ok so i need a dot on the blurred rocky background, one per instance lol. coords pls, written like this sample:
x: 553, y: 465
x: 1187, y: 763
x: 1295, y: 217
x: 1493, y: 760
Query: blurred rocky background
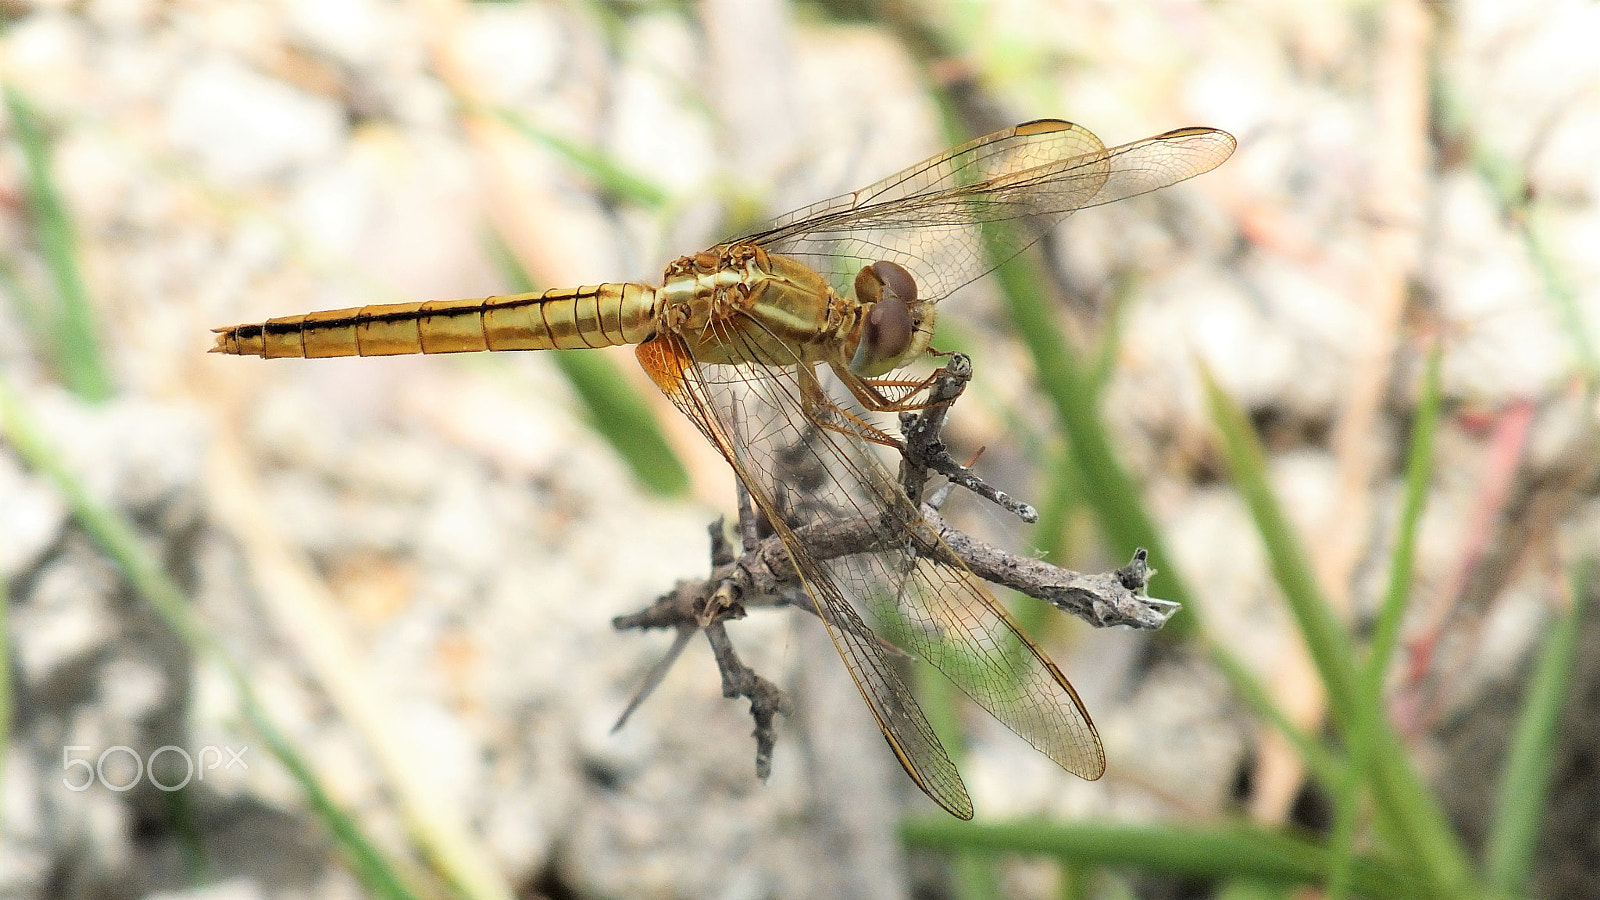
x: 367, y: 602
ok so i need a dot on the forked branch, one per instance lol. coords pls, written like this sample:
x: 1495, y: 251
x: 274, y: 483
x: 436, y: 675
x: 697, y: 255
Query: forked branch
x: 763, y: 574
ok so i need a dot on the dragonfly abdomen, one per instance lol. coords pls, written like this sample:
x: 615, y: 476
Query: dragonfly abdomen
x: 601, y: 315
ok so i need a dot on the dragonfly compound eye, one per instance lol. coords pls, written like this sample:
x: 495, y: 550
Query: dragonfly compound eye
x: 884, y: 278
x: 869, y: 287
x: 886, y: 334
x: 888, y: 328
x: 896, y: 280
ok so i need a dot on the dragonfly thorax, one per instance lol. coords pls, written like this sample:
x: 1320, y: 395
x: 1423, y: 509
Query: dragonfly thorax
x: 739, y: 304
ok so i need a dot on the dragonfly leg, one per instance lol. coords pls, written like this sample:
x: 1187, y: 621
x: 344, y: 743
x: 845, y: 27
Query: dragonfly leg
x: 824, y: 413
x: 886, y: 395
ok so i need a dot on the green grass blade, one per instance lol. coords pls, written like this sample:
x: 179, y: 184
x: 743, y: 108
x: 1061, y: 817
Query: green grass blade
x: 1076, y: 883
x: 1324, y: 765
x: 609, y: 175
x: 117, y: 538
x: 1413, y: 815
x: 1540, y: 237
x: 1419, y: 473
x: 972, y: 875
x: 110, y: 532
x: 1255, y: 890
x: 179, y: 808
x: 1326, y: 639
x: 30, y: 311
x: 374, y: 871
x: 1106, y: 486
x: 1063, y: 496
x: 1242, y: 853
x: 1522, y: 209
x: 71, y: 341
x: 1525, y: 783
x: 5, y: 681
x: 621, y: 416
x: 612, y: 406
x: 1386, y: 633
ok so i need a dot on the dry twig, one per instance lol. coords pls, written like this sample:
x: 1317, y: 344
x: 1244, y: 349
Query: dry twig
x: 763, y: 575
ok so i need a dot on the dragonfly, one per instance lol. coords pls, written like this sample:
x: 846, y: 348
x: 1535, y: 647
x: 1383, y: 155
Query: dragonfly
x: 781, y: 345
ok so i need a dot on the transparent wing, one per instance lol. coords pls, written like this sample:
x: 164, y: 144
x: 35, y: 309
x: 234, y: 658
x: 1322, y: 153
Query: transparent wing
x: 872, y: 565
x: 939, y: 218
x: 824, y: 492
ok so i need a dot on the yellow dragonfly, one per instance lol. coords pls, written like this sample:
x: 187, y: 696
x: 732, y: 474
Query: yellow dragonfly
x: 779, y: 346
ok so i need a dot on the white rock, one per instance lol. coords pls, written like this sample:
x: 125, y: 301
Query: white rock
x: 242, y: 127
x: 232, y: 889
x: 34, y: 516
x: 66, y: 617
x: 353, y: 31
x: 133, y: 687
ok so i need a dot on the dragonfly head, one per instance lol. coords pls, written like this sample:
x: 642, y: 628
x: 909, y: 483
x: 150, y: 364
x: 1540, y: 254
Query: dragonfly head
x: 895, y: 327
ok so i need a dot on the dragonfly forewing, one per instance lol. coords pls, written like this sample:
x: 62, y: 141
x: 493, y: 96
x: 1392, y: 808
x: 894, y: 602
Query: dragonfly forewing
x: 938, y: 218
